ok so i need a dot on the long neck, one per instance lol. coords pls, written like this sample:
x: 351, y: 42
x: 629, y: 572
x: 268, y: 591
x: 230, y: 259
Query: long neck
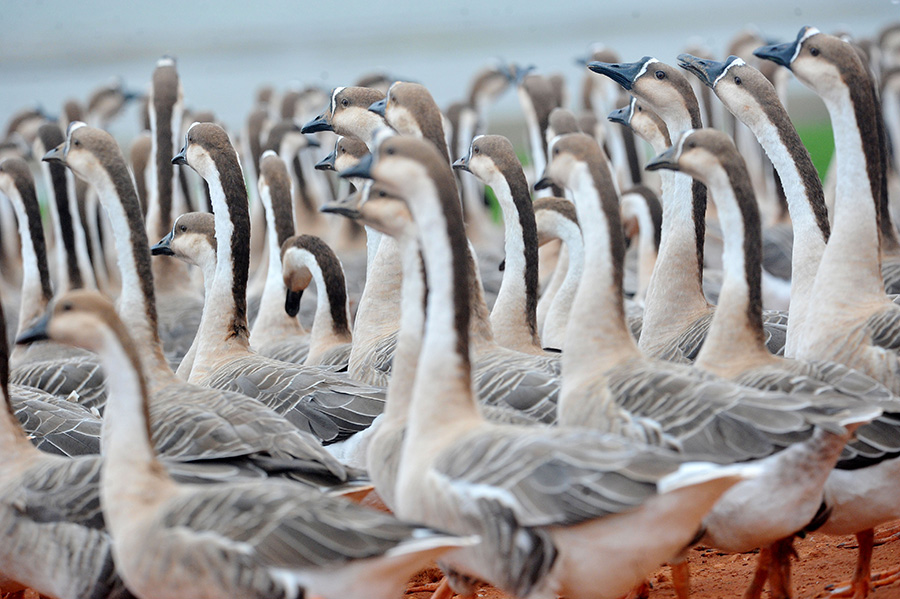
x: 736, y: 336
x: 223, y: 326
x: 66, y: 254
x: 806, y: 204
x: 852, y: 259
x: 377, y: 313
x: 675, y: 294
x: 208, y: 270
x: 169, y: 274
x: 137, y: 302
x: 513, y: 317
x: 561, y: 306
x: 409, y: 340
x: 36, y: 291
x: 596, y: 344
x: 331, y: 325
x: 82, y: 250
x: 443, y: 386
x: 271, y: 320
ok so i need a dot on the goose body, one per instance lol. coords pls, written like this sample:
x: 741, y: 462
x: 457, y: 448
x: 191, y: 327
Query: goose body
x: 172, y: 538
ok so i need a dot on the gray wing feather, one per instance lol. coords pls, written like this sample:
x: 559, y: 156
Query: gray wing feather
x: 81, y: 376
x: 55, y: 425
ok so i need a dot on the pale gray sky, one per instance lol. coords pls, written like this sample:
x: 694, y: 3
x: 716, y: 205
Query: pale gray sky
x: 50, y: 51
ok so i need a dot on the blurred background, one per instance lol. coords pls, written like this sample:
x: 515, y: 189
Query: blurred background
x: 52, y: 51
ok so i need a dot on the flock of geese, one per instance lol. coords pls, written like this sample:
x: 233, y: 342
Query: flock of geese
x: 195, y: 439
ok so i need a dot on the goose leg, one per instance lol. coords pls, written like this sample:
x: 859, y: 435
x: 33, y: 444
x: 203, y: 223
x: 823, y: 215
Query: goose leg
x: 780, y: 570
x: 641, y: 591
x: 861, y: 584
x: 681, y: 579
x: 760, y: 575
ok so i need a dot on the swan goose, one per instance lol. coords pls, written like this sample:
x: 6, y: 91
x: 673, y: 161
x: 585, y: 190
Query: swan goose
x: 859, y: 334
x: 476, y: 476
x: 224, y: 359
x: 47, y: 366
x: 187, y: 421
x: 712, y: 157
x: 256, y: 539
x: 348, y: 114
x: 676, y: 313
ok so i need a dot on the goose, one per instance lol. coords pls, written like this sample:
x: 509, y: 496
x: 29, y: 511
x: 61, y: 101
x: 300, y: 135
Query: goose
x: 274, y: 333
x: 178, y: 305
x: 712, y: 157
x: 676, y: 313
x: 187, y: 421
x: 492, y: 159
x: 249, y: 539
x: 70, y: 273
x: 224, y: 359
x: 55, y: 540
x: 349, y: 114
x: 556, y: 218
x: 859, y: 334
x: 141, y: 148
x: 307, y: 258
x: 476, y: 476
x: 537, y: 98
x: 47, y: 366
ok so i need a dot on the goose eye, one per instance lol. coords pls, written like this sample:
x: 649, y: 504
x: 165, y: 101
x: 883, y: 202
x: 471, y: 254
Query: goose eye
x: 691, y: 144
x: 66, y: 307
x: 556, y: 151
x: 660, y: 74
x: 814, y: 51
x: 475, y: 149
x: 640, y: 108
x: 76, y: 142
x: 737, y: 80
x: 183, y: 228
x: 345, y: 102
x: 389, y: 151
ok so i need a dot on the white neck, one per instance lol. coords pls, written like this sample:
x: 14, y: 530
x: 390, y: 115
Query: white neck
x: 322, y: 337
x: 509, y: 321
x: 852, y: 258
x: 81, y: 243
x: 594, y: 344
x: 558, y: 314
x: 208, y: 271
x: 32, y: 303
x: 674, y: 296
x: 63, y: 284
x: 132, y: 304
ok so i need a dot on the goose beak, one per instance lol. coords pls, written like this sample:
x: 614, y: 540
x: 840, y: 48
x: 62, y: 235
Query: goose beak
x: 667, y: 160
x: 327, y: 163
x: 545, y: 182
x: 521, y: 73
x: 379, y: 107
x: 56, y: 155
x: 362, y: 169
x: 582, y: 60
x: 462, y: 164
x: 346, y: 207
x: 621, y: 115
x: 320, y: 123
x: 181, y: 157
x: 163, y: 247
x: 312, y: 142
x: 292, y: 302
x: 623, y: 73
x: 36, y: 332
x: 708, y: 71
x: 778, y: 53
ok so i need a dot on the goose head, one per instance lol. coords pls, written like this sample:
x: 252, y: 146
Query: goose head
x: 698, y: 153
x: 645, y: 123
x: 568, y: 154
x: 86, y: 151
x: 489, y: 158
x: 821, y: 62
x: 348, y: 113
x: 407, y: 108
x: 192, y: 239
x: 204, y: 143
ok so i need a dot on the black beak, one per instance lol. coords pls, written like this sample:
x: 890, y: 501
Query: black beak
x: 163, y: 247
x: 379, y: 107
x: 544, y: 183
x: 522, y: 72
x: 56, y: 155
x: 621, y: 115
x: 667, y: 160
x: 362, y: 169
x: 462, y: 164
x: 320, y: 123
x: 327, y: 163
x: 181, y: 157
x: 623, y: 73
x: 36, y: 332
x: 312, y: 142
x: 292, y: 302
x: 342, y: 209
x: 778, y: 53
x: 131, y: 95
x: 708, y: 71
x: 502, y: 266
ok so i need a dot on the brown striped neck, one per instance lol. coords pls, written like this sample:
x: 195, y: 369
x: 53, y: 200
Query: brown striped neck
x: 141, y: 149
x: 492, y: 159
x: 165, y: 121
x: 17, y: 183
x: 50, y: 136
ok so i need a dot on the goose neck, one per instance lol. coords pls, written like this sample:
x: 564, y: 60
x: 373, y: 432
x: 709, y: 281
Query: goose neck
x: 36, y: 291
